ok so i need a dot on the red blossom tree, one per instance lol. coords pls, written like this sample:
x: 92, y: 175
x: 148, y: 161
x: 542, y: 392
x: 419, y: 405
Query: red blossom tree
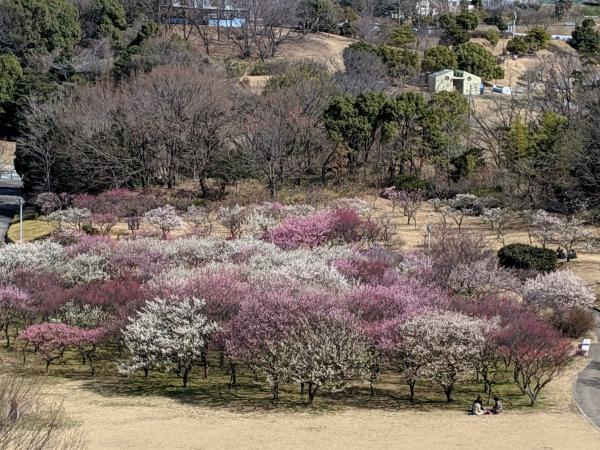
x: 538, y: 352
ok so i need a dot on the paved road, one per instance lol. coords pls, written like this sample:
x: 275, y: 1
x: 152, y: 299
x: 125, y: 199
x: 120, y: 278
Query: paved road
x: 586, y: 391
x: 10, y: 193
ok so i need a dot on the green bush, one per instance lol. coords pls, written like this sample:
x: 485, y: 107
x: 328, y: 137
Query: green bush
x: 260, y: 68
x: 522, y: 256
x: 410, y: 183
x: 236, y: 68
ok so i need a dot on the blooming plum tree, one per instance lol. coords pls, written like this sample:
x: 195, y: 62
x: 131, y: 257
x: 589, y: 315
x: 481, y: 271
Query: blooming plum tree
x: 168, y: 334
x: 233, y: 218
x: 329, y: 348
x: 537, y: 351
x: 449, y: 342
x: 409, y: 201
x: 482, y: 278
x: 164, y: 218
x: 558, y: 293
x: 14, y: 304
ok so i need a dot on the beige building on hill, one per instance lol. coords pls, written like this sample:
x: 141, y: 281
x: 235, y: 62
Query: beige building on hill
x: 455, y: 80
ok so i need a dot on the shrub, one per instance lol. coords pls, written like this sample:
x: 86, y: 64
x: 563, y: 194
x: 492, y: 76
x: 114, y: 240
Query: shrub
x: 492, y: 36
x: 236, y: 68
x: 522, y: 256
x: 409, y: 183
x: 577, y: 322
x: 260, y: 68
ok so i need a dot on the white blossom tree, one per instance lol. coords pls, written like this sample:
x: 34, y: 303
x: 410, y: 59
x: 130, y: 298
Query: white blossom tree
x: 480, y: 278
x: 571, y: 235
x: 446, y: 345
x: 558, y: 292
x: 499, y: 219
x: 75, y: 217
x: 326, y: 350
x: 199, y: 218
x: 164, y: 218
x: 232, y: 218
x: 544, y: 227
x: 168, y: 334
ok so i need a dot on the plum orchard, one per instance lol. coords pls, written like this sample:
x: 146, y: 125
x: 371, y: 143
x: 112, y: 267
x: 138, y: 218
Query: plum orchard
x: 296, y: 295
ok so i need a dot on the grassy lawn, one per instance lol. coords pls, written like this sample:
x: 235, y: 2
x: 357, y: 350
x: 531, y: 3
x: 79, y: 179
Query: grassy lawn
x: 390, y: 393
x: 32, y: 230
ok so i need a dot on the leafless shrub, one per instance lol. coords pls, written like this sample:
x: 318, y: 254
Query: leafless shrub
x: 30, y: 422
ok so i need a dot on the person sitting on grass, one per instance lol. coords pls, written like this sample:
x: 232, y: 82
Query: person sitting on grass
x: 477, y: 408
x: 497, y: 409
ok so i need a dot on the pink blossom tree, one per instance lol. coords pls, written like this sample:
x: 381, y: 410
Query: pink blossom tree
x: 255, y: 332
x: 105, y: 222
x: 14, y: 304
x: 48, y: 202
x: 311, y: 231
x: 342, y: 225
x: 49, y: 340
x: 408, y: 201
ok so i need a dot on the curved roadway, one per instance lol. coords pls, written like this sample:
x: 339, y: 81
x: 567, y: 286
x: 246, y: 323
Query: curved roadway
x: 586, y: 390
x: 10, y: 194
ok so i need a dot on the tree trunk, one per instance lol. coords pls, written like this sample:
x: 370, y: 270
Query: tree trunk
x: 205, y: 364
x: 186, y: 375
x: 275, y: 390
x: 7, y: 336
x: 411, y: 387
x: 233, y: 377
x: 92, y: 367
x: 301, y: 388
x: 145, y: 372
x: 312, y: 391
x: 448, y: 391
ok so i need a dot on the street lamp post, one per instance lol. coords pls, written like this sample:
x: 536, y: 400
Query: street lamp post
x: 21, y: 203
x: 429, y: 229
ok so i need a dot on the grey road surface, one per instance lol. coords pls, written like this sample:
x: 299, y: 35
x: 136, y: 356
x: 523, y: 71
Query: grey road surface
x: 10, y: 194
x: 586, y: 391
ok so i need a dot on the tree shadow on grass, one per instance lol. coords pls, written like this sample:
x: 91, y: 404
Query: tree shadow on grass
x: 248, y: 396
x: 390, y: 392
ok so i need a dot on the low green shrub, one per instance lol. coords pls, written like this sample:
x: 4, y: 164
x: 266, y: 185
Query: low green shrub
x: 410, y: 183
x: 522, y: 256
x: 259, y: 69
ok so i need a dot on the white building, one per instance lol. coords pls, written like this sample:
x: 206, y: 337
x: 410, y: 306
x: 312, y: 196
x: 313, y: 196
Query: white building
x: 455, y: 80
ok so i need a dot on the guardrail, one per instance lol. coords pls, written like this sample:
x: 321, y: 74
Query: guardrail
x: 9, y: 175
